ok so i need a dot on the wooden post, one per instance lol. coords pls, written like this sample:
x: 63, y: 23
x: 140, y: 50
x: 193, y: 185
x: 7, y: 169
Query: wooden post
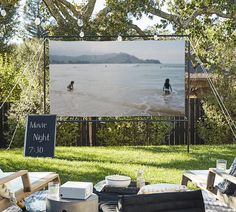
x: 90, y: 131
x: 184, y: 180
x: 94, y: 130
x: 210, y: 182
x: 78, y: 137
x: 26, y: 182
x: 83, y: 134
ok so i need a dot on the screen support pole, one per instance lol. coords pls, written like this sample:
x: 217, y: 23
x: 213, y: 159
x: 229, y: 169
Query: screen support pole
x: 44, y: 77
x: 188, y: 99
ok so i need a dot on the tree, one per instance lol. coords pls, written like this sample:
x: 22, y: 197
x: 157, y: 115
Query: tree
x: 181, y: 14
x: 35, y: 9
x: 217, y: 50
x: 8, y: 79
x: 29, y: 80
x: 8, y: 28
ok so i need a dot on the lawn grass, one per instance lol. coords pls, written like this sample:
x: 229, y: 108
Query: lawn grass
x: 162, y: 164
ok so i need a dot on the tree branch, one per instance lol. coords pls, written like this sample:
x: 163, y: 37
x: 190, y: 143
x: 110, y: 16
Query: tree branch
x: 184, y: 23
x: 164, y: 15
x: 60, y: 8
x: 63, y: 9
x: 89, y: 9
x: 104, y: 11
x: 202, y: 11
x: 53, y: 10
x: 137, y: 29
x: 219, y: 13
x: 71, y: 7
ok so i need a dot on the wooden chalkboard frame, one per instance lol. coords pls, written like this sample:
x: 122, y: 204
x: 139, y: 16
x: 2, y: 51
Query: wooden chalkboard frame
x: 36, y: 150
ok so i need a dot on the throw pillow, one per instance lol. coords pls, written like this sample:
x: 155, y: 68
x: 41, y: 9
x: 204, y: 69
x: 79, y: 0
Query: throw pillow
x: 227, y: 187
x: 160, y: 188
x: 233, y: 166
x: 4, y: 191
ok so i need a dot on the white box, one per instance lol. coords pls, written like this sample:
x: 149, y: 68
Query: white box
x: 76, y: 190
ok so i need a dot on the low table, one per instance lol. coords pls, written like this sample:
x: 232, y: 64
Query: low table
x: 72, y: 205
x: 109, y: 196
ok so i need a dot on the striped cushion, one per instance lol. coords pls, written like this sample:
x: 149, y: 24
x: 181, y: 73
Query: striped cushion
x: 214, y: 205
x: 13, y: 208
x: 226, y: 187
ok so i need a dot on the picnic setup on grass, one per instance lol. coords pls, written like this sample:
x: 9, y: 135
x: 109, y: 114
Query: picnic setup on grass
x: 117, y: 106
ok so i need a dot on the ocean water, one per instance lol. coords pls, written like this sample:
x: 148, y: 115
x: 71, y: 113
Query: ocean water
x: 104, y: 90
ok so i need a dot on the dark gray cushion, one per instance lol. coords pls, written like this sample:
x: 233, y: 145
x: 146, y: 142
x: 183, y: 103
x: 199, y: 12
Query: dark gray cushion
x: 168, y: 202
x: 227, y: 187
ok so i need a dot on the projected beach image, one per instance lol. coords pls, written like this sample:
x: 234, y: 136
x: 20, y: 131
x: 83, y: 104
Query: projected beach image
x: 115, y: 79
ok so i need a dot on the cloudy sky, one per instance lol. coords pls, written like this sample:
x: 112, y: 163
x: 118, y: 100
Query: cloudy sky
x: 172, y: 51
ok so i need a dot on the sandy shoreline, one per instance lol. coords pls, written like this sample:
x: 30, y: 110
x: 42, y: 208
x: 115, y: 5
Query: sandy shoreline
x: 95, y: 108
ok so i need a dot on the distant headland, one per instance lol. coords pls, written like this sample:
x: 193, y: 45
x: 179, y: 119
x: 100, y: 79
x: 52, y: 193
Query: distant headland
x: 113, y: 58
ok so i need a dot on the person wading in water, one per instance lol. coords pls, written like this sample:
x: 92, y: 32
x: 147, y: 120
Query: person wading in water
x: 70, y: 87
x: 167, y: 87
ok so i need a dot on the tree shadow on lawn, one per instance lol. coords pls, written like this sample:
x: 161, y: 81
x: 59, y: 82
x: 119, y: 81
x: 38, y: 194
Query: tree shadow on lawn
x: 161, y: 149
x: 93, y: 173
x: 111, y: 156
x: 196, y: 160
x: 76, y: 171
x: 174, y: 164
x: 181, y: 165
x: 194, y: 149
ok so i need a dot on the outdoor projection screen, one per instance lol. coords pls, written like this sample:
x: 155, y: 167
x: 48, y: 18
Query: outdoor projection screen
x: 115, y: 79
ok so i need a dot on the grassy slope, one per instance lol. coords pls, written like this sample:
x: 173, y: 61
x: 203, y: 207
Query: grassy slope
x: 162, y: 164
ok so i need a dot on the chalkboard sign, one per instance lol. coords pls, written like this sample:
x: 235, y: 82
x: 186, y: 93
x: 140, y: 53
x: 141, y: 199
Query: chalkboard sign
x: 40, y: 136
